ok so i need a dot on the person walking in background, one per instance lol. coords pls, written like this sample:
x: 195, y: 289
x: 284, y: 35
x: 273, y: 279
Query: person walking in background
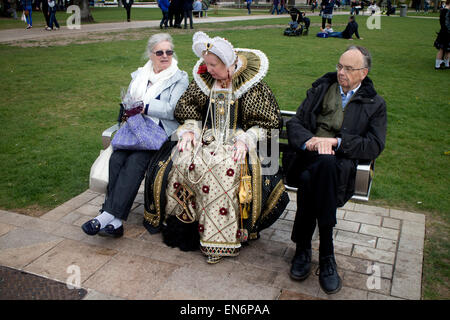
x: 249, y: 3
x: 275, y: 7
x: 283, y: 7
x: 388, y: 8
x: 164, y: 6
x: 187, y: 12
x: 127, y: 5
x: 52, y: 10
x: 46, y: 13
x: 313, y: 5
x: 27, y: 6
x: 12, y: 8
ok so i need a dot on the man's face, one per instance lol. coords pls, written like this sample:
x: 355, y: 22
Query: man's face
x: 350, y: 79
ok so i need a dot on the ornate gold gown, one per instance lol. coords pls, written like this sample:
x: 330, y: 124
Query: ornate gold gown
x: 193, y: 195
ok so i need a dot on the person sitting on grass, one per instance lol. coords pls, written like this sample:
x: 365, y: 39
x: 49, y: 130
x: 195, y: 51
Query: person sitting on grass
x: 328, y: 29
x: 52, y: 12
x: 352, y: 28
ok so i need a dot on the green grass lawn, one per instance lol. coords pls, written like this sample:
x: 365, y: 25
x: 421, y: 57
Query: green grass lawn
x: 57, y: 100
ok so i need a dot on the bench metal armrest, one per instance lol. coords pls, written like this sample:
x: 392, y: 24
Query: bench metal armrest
x: 107, y: 135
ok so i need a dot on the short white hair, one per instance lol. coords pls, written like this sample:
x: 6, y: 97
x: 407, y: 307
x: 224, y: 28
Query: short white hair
x: 157, y: 38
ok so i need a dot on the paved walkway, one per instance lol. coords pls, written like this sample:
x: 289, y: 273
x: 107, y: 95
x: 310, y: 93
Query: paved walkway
x: 39, y: 33
x: 379, y: 252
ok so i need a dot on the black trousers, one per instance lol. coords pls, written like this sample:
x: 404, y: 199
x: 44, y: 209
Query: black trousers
x: 126, y: 172
x: 165, y: 19
x: 128, y: 8
x: 316, y: 201
x: 188, y: 15
x: 325, y: 20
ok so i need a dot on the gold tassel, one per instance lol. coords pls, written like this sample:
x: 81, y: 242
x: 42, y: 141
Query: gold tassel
x: 245, y: 211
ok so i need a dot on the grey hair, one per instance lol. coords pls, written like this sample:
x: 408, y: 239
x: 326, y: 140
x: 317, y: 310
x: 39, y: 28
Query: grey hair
x: 157, y: 38
x: 367, y: 57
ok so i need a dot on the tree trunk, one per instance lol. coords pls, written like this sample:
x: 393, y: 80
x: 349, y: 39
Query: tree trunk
x: 86, y: 15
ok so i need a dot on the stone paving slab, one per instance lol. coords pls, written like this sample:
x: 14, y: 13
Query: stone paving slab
x: 379, y: 252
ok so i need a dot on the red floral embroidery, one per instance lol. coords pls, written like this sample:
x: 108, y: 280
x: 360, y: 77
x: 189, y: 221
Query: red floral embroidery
x: 230, y: 172
x: 238, y: 234
x: 176, y: 185
x: 205, y: 189
x: 191, y: 167
x: 223, y: 211
x: 202, y: 69
x: 201, y: 228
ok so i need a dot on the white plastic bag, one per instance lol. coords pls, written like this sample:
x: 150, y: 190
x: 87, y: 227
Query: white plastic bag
x: 24, y: 18
x: 99, y: 176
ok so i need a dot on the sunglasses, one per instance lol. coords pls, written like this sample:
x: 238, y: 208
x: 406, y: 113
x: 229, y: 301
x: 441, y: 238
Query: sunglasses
x: 159, y: 53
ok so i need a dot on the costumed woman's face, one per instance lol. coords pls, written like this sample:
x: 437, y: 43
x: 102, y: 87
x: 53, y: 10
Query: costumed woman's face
x: 215, y: 66
x: 161, y: 62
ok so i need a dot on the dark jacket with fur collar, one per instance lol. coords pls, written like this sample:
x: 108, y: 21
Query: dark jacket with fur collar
x: 363, y: 130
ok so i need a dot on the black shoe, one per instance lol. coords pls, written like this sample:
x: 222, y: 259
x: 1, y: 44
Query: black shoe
x: 301, y: 265
x: 91, y: 227
x: 329, y: 279
x: 109, y: 231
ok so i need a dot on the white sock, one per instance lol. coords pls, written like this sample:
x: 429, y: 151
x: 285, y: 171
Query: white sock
x: 438, y: 63
x: 104, y: 218
x: 446, y: 61
x: 116, y: 223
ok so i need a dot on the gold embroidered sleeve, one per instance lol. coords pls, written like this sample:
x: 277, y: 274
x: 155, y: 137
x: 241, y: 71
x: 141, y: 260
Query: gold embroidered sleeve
x: 260, y: 108
x: 191, y: 104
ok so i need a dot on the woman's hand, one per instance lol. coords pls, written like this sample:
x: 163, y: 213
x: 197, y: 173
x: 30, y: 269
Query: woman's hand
x: 187, y: 139
x: 239, y: 151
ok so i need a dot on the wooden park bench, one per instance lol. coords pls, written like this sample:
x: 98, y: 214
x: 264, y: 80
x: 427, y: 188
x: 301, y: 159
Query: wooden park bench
x: 364, y: 173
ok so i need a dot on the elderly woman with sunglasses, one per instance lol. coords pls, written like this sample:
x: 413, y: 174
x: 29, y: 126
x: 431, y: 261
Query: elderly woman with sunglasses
x: 226, y: 114
x: 159, y: 84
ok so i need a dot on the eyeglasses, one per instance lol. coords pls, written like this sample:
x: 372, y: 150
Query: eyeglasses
x: 159, y: 53
x: 347, y: 68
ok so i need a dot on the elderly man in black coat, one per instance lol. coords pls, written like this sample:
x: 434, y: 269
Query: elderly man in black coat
x: 341, y: 121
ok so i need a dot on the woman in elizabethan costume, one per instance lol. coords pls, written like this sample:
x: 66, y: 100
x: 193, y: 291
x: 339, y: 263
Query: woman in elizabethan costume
x: 226, y: 114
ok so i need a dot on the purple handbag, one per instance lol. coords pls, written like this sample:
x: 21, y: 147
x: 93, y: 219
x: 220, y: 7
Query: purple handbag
x: 139, y: 133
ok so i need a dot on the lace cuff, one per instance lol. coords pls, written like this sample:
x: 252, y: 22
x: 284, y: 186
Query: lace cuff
x: 250, y: 137
x: 193, y: 126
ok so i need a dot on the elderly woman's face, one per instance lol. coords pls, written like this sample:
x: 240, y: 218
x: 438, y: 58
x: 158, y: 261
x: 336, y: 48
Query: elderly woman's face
x: 161, y: 56
x: 215, y: 66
